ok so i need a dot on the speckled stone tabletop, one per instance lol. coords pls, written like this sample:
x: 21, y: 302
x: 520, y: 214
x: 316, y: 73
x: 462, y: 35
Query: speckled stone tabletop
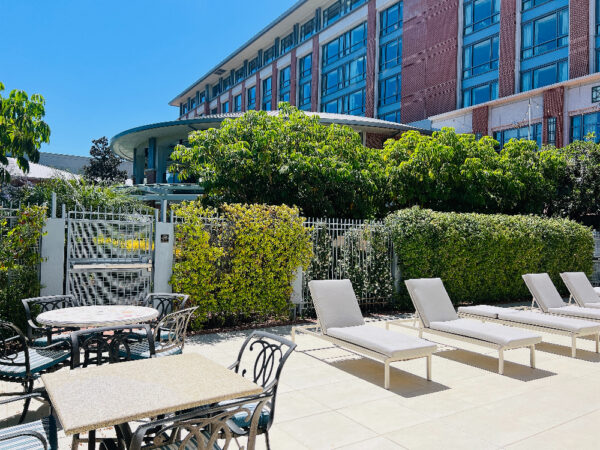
x: 97, y: 316
x: 102, y: 396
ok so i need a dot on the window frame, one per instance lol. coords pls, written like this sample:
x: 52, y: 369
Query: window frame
x: 489, y: 63
x: 472, y: 25
x: 557, y: 39
x: 533, y: 69
x: 386, y: 28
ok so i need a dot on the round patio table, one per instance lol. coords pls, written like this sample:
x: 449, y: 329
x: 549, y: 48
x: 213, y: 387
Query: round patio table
x: 97, y: 316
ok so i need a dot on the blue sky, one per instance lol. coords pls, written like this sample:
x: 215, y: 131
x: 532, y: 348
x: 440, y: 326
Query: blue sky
x: 106, y: 66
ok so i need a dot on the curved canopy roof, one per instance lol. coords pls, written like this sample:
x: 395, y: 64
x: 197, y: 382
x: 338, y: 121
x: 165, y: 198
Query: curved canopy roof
x: 124, y: 143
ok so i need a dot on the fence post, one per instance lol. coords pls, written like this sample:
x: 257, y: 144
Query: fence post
x: 52, y: 268
x: 163, y: 256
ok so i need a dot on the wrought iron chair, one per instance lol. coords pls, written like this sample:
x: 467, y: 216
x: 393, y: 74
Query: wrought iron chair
x: 39, y: 434
x: 22, y: 364
x: 261, y: 359
x: 165, y: 304
x: 40, y: 335
x: 96, y: 346
x: 169, y: 336
x: 209, y: 428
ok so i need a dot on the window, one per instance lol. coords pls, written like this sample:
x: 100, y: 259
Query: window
x: 214, y: 111
x: 389, y: 90
x: 184, y: 108
x: 285, y: 77
x: 355, y: 3
x: 251, y: 98
x: 345, y: 44
x: 480, y: 94
x: 237, y: 103
x: 480, y: 14
x: 480, y: 57
x: 307, y: 29
x: 226, y: 84
x: 305, y: 91
x: 239, y: 75
x: 528, y: 4
x: 193, y: 103
x: 332, y: 13
x: 583, y: 126
x: 225, y: 107
x: 393, y: 116
x: 543, y: 76
x: 390, y: 54
x: 391, y: 19
x: 551, y: 130
x: 268, y: 55
x: 253, y: 66
x: 216, y: 90
x: 545, y: 34
x: 266, y: 94
x: 202, y: 97
x: 353, y: 104
x: 287, y: 43
x: 533, y: 133
x: 306, y: 66
x: 344, y: 75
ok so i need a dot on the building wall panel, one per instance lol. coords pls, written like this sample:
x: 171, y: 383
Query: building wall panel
x: 579, y: 38
x: 506, y: 62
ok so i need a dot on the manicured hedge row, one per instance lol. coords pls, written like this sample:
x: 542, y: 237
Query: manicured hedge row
x: 481, y: 257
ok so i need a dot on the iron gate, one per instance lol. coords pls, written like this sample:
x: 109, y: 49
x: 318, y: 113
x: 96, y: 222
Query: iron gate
x: 109, y: 257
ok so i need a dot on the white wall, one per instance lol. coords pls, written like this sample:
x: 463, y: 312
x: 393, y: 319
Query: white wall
x: 462, y: 123
x: 513, y: 114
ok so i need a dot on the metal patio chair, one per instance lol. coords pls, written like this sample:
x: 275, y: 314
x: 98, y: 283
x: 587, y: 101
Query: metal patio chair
x: 261, y: 359
x: 41, y: 335
x: 37, y: 435
x: 165, y: 303
x: 22, y: 364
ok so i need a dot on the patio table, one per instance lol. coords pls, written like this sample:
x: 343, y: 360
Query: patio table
x: 97, y: 316
x: 104, y: 396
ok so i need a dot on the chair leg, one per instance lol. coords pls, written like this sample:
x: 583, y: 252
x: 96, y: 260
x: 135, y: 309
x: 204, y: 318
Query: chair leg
x: 428, y: 367
x: 386, y: 383
x: 28, y: 390
x: 267, y: 440
x: 598, y: 343
x: 532, y: 356
x: 501, y: 361
x: 293, y: 334
x: 573, y: 346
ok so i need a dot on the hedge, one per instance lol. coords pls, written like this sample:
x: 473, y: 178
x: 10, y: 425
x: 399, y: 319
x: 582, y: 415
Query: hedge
x: 481, y: 257
x: 238, y: 266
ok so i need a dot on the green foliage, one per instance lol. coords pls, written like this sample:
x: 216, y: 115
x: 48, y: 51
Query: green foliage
x: 239, y: 266
x: 290, y: 158
x: 480, y: 257
x: 75, y: 194
x: 22, y: 129
x: 104, y: 164
x: 19, y: 260
x: 457, y: 172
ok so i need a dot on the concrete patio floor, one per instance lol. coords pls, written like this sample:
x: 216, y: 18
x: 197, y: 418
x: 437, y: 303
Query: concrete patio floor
x: 332, y: 398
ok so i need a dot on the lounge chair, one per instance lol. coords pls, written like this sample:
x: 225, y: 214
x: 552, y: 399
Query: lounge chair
x: 581, y: 289
x: 536, y: 321
x: 549, y: 300
x: 438, y: 316
x: 341, y: 323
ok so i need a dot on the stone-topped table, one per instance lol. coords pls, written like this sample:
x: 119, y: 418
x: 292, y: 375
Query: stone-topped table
x: 91, y: 398
x: 97, y: 316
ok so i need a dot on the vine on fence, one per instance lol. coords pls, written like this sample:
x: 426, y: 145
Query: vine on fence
x: 19, y: 260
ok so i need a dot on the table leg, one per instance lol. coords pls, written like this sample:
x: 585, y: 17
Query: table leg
x: 92, y: 440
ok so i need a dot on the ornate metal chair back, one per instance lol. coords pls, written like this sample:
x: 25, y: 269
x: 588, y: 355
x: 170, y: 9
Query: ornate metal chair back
x: 12, y: 344
x: 37, y: 305
x: 166, y: 303
x: 172, y: 329
x: 107, y: 345
x: 202, y: 428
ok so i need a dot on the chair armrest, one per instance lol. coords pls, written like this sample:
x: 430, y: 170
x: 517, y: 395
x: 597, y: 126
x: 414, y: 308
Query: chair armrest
x: 62, y: 345
x: 235, y: 366
x: 20, y: 434
x: 21, y: 397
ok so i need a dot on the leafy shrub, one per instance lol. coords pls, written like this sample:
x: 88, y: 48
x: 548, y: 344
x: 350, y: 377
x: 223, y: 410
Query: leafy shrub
x: 238, y: 266
x: 480, y: 257
x: 19, y: 261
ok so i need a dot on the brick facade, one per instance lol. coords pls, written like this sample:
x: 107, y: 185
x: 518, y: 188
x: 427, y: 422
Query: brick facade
x: 506, y: 63
x: 429, y: 58
x: 230, y: 101
x: 274, y: 86
x: 554, y: 101
x: 293, y: 77
x: 579, y: 38
x: 373, y: 140
x: 258, y: 92
x: 371, y: 56
x: 219, y: 104
x: 480, y: 120
x: 314, y: 84
x: 206, y: 107
x: 243, y: 96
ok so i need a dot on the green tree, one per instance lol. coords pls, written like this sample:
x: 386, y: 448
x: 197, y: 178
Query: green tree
x: 289, y: 158
x: 22, y: 129
x: 104, y: 164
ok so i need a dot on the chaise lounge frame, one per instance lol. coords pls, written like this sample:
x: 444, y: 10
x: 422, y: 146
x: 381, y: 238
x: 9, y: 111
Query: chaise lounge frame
x: 316, y: 331
x: 500, y: 348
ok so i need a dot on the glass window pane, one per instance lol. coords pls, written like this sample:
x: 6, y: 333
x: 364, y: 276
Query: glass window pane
x: 544, y: 76
x: 527, y: 35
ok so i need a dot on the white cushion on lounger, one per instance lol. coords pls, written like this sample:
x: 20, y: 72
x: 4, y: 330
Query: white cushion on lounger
x: 431, y: 300
x: 387, y: 342
x: 597, y: 290
x: 543, y: 290
x: 485, y: 310
x: 489, y: 332
x: 577, y: 311
x: 335, y: 303
x: 550, y: 321
x: 580, y: 288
